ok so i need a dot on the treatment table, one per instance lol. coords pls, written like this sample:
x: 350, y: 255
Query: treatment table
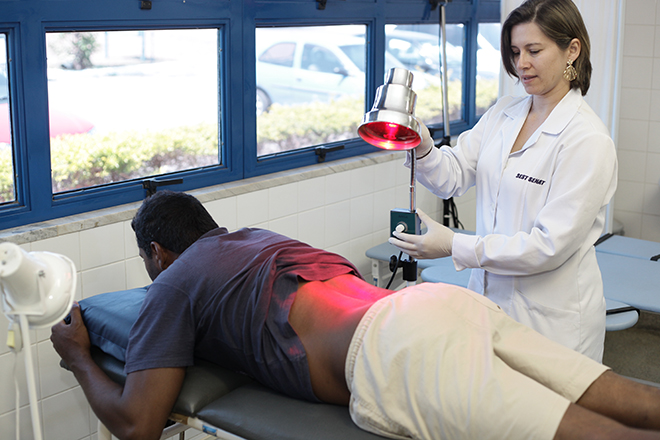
x: 214, y: 400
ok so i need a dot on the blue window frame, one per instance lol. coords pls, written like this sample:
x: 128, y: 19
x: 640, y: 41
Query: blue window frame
x: 25, y: 25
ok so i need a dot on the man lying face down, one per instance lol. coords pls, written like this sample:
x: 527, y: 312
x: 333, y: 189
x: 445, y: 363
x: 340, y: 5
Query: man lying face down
x: 431, y: 361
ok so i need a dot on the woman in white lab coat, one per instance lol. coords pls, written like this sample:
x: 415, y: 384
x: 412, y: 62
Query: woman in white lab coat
x: 545, y: 168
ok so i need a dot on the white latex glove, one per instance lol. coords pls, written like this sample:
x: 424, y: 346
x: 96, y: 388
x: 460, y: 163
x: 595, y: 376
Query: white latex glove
x: 435, y: 243
x: 426, y: 144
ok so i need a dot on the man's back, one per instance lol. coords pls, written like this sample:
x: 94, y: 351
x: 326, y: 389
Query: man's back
x: 226, y: 299
x: 325, y: 315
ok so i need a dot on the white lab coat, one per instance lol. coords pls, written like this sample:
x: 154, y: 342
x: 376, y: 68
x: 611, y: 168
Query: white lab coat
x: 539, y: 212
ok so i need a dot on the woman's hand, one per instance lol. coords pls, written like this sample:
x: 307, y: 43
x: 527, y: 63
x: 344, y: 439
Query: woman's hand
x: 426, y: 144
x: 435, y: 243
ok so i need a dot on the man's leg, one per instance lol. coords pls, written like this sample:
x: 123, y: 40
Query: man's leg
x: 624, y: 400
x: 580, y: 423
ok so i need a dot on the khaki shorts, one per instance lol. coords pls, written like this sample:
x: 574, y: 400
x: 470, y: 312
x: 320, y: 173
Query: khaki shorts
x: 435, y: 361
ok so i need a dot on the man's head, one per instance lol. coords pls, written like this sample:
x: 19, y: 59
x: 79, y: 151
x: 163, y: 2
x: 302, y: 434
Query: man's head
x: 169, y: 222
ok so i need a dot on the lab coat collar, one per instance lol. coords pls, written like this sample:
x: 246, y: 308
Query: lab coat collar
x: 563, y: 113
x: 556, y: 122
x: 560, y: 116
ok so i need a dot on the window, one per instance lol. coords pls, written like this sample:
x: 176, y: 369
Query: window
x: 131, y: 104
x: 96, y: 98
x: 310, y: 86
x: 488, y: 65
x: 418, y: 47
x: 7, y: 192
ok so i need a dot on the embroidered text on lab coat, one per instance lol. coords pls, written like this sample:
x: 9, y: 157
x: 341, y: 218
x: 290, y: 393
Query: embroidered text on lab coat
x: 530, y: 179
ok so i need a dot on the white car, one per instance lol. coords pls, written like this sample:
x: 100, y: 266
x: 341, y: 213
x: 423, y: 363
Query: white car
x: 299, y: 65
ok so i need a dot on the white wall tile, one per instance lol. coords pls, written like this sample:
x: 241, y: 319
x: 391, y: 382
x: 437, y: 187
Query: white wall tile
x: 338, y: 224
x: 632, y: 165
x: 130, y: 243
x: 383, y: 204
x: 362, y: 181
x: 343, y: 249
x: 252, y: 208
x: 67, y: 245
x: 650, y: 228
x: 629, y: 196
x: 224, y: 212
x: 312, y: 226
x: 337, y: 187
x: 633, y: 135
x: 103, y: 279
x: 102, y: 245
x: 655, y: 105
x: 311, y: 194
x: 385, y: 175
x: 637, y: 72
x: 136, y: 274
x: 358, y: 257
x: 8, y: 425
x: 632, y: 222
x: 402, y: 173
x: 362, y: 216
x: 639, y: 41
x: 53, y: 378
x: 651, y: 200
x: 282, y: 201
x: 635, y: 104
x: 652, y: 172
x: 640, y: 12
x: 286, y: 226
x: 66, y: 415
x: 653, y: 145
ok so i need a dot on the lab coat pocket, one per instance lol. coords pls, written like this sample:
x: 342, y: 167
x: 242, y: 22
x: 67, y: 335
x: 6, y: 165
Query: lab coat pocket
x: 562, y: 326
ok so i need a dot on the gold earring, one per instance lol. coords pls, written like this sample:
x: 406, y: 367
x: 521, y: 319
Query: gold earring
x: 570, y: 74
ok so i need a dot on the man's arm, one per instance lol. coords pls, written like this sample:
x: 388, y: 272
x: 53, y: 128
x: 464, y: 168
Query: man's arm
x: 139, y: 409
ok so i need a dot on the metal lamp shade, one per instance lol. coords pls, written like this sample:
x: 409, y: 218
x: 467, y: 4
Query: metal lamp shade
x: 391, y: 124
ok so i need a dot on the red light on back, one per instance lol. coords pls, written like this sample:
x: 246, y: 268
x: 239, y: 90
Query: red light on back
x: 389, y: 136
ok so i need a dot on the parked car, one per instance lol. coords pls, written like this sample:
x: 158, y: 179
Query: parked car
x: 299, y: 66
x: 60, y: 122
x: 421, y: 50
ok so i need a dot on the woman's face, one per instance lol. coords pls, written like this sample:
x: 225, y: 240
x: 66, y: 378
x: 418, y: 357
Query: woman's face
x: 540, y: 63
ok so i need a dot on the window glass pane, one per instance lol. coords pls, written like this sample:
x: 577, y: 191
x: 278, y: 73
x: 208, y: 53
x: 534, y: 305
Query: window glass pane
x: 7, y: 191
x: 310, y: 86
x: 418, y: 47
x: 131, y: 104
x: 488, y: 66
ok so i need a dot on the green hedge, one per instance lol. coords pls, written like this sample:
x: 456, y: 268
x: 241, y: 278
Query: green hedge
x: 84, y: 160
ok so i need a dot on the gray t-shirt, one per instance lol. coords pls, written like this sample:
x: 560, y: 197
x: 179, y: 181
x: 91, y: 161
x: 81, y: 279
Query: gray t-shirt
x: 226, y: 299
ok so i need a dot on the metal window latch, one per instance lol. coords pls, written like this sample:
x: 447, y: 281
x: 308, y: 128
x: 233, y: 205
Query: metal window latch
x: 151, y: 185
x: 435, y: 3
x: 322, y: 151
x: 322, y: 3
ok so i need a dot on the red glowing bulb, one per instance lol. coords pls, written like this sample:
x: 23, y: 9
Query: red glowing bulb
x: 389, y: 136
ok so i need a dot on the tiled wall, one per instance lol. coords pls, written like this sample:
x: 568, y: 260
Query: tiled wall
x: 637, y: 201
x: 343, y: 211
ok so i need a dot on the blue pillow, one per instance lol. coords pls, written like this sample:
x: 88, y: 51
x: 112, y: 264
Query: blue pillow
x: 109, y: 318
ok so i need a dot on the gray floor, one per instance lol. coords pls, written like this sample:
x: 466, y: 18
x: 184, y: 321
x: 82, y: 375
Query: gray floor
x: 635, y: 352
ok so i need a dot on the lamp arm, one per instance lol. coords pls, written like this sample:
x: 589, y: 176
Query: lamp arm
x: 29, y: 374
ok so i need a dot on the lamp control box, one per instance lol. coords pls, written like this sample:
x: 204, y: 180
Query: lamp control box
x: 406, y: 220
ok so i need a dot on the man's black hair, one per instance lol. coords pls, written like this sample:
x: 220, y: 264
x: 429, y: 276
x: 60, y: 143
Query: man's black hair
x: 175, y: 220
